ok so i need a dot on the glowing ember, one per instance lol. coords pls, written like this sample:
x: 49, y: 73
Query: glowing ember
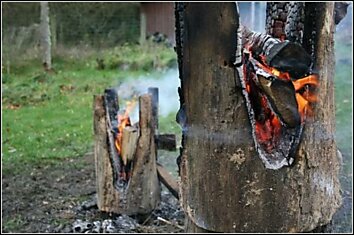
x: 305, y: 94
x: 268, y: 127
x: 124, y: 121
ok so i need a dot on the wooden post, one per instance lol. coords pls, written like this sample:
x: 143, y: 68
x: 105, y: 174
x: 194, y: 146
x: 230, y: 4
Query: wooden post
x: 225, y: 187
x: 154, y: 91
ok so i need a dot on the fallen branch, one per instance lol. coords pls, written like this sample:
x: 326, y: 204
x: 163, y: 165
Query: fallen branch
x: 170, y: 223
x: 167, y: 179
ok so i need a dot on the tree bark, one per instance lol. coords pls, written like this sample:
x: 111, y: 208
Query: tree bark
x: 108, y: 198
x: 45, y: 37
x: 224, y: 185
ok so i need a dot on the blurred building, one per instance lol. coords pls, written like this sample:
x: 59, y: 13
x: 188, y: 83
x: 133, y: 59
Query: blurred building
x: 157, y: 17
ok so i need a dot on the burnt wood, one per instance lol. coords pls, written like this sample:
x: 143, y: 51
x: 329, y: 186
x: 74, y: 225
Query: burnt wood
x: 224, y: 185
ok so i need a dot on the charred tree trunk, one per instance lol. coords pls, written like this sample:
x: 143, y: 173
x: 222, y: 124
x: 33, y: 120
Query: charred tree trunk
x: 225, y: 187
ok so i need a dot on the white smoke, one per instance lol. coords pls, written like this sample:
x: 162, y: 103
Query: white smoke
x: 167, y: 83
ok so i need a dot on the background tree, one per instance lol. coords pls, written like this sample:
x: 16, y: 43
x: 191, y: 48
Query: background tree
x: 45, y: 37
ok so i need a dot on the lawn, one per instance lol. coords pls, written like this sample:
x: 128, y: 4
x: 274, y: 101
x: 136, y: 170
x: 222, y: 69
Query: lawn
x: 48, y: 116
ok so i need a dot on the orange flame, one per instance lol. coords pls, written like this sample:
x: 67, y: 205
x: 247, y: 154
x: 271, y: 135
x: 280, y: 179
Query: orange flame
x: 305, y: 97
x: 269, y: 128
x: 274, y: 71
x: 309, y: 80
x: 123, y: 121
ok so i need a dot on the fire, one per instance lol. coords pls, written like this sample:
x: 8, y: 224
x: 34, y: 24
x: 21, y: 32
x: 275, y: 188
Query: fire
x: 274, y: 71
x: 305, y: 96
x: 309, y: 80
x: 123, y: 121
x: 268, y: 127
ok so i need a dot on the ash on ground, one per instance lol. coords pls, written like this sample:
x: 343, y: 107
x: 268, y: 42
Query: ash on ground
x: 167, y: 217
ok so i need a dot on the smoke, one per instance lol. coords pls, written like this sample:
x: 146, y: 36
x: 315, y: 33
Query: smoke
x: 167, y: 83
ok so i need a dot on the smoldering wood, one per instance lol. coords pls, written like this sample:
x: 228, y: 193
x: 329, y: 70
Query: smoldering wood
x: 168, y: 180
x: 130, y: 138
x: 285, y: 56
x: 166, y: 142
x: 111, y: 109
x: 218, y: 160
x: 111, y: 103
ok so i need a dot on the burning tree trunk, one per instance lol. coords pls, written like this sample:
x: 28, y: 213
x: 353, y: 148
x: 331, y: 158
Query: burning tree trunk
x: 225, y: 186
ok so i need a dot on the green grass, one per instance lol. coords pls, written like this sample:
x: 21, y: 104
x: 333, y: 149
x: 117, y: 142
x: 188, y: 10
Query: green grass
x: 343, y: 99
x: 48, y: 116
x: 13, y: 224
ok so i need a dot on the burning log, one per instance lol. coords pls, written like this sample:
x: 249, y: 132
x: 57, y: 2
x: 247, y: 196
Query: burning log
x: 126, y: 154
x: 129, y: 141
x: 225, y: 187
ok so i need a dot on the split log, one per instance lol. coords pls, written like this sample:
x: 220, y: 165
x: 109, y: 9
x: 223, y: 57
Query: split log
x: 107, y: 196
x: 167, y: 179
x: 129, y: 142
x: 225, y: 187
x: 111, y: 108
x: 143, y: 193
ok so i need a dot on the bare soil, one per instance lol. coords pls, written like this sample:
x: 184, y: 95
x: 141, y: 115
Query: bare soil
x: 60, y: 198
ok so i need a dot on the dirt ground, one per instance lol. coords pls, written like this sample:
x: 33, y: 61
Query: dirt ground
x: 60, y: 198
